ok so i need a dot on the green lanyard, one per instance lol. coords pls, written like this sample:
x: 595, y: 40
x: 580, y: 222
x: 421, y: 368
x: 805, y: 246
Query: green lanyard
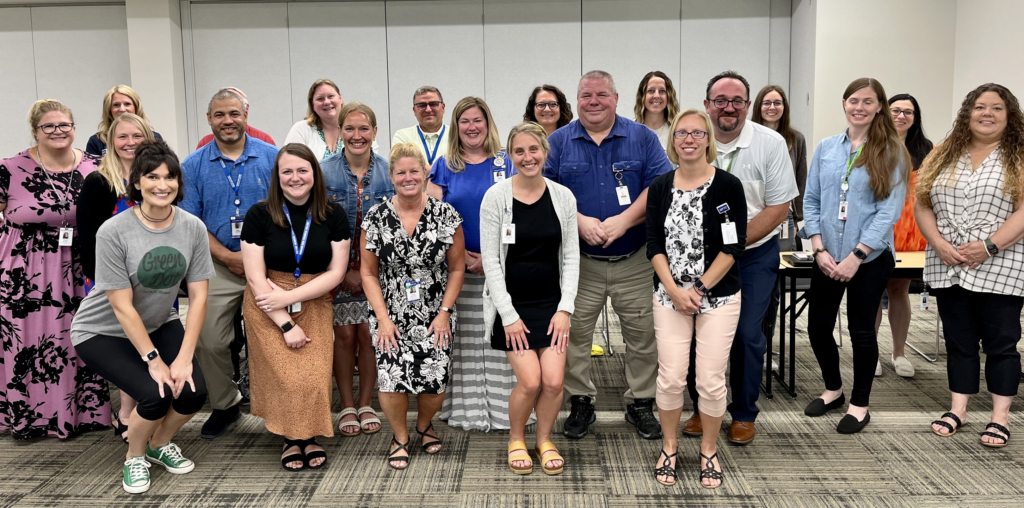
x: 849, y: 166
x: 735, y: 154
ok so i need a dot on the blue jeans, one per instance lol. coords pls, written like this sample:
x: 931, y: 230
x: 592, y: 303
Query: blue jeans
x: 759, y: 268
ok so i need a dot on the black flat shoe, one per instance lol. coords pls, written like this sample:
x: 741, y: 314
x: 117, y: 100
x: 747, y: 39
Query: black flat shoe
x: 315, y: 454
x: 818, y: 407
x: 851, y: 425
x: 297, y: 456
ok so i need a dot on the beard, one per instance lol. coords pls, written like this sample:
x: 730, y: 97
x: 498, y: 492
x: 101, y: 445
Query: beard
x: 724, y: 128
x: 239, y: 129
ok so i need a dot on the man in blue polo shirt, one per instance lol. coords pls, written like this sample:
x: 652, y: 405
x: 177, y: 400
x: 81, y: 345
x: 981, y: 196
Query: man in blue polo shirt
x: 222, y: 180
x: 608, y: 162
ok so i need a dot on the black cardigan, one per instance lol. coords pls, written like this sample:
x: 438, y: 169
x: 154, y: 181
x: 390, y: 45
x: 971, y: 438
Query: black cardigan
x: 725, y: 188
x: 95, y: 205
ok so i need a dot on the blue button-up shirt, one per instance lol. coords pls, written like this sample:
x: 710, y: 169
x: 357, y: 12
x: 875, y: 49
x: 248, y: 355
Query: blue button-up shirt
x: 343, y: 186
x: 631, y: 151
x: 868, y: 220
x: 209, y: 195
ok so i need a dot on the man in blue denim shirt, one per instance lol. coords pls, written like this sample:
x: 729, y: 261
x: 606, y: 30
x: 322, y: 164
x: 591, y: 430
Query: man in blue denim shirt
x: 608, y: 162
x: 758, y: 156
x: 221, y: 204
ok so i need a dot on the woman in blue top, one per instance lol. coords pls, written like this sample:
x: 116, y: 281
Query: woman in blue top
x: 855, y: 191
x: 356, y: 179
x: 481, y: 378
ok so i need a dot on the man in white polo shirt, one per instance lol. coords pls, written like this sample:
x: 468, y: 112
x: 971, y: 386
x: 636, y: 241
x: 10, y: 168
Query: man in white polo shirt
x: 759, y: 158
x: 431, y: 134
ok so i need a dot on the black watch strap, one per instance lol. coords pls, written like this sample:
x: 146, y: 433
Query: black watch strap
x: 859, y: 254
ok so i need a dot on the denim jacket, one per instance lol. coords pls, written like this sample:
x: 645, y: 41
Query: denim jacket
x: 868, y: 220
x: 342, y: 186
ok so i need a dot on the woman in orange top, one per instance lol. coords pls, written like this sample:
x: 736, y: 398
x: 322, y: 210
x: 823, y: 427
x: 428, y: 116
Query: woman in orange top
x: 906, y: 114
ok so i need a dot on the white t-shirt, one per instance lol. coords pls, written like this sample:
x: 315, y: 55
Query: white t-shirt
x: 307, y: 134
x: 760, y: 159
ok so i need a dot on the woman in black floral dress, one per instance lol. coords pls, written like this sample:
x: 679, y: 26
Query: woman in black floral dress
x: 412, y: 291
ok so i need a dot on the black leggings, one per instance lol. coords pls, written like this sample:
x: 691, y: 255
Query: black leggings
x: 863, y: 294
x: 117, y: 361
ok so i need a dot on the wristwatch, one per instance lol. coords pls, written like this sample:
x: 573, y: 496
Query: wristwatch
x: 818, y: 251
x: 150, y: 356
x: 446, y: 309
x: 285, y: 328
x: 859, y: 254
x: 991, y: 246
x: 699, y: 285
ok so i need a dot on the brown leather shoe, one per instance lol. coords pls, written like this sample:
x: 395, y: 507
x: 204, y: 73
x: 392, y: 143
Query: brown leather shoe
x: 741, y: 433
x: 693, y: 427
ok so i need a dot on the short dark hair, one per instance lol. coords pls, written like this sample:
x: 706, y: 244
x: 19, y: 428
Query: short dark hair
x: 149, y: 156
x: 727, y: 75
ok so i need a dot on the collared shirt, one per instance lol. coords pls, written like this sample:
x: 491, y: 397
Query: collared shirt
x: 631, y: 150
x: 760, y: 159
x: 209, y: 196
x: 343, y: 187
x: 411, y: 135
x: 868, y: 220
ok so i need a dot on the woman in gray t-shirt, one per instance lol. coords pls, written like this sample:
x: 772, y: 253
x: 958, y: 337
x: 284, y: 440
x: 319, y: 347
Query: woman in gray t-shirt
x: 127, y: 329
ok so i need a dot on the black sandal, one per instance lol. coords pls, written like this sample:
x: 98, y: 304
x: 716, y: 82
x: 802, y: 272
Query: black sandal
x: 294, y: 457
x: 710, y: 472
x: 952, y: 430
x: 666, y: 469
x: 1000, y: 428
x: 391, y: 456
x: 119, y: 429
x: 426, y: 433
x: 316, y: 454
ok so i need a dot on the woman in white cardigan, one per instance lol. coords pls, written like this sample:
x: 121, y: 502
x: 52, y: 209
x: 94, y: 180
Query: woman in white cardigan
x: 532, y: 273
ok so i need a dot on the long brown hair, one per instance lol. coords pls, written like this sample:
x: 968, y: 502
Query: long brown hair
x: 944, y: 158
x: 883, y: 153
x: 671, y: 109
x: 321, y: 207
x: 784, y: 128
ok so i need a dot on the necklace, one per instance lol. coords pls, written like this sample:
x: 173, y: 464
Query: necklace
x: 419, y: 207
x: 150, y: 219
x: 39, y: 154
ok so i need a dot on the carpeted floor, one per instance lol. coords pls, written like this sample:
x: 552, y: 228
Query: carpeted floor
x: 794, y: 462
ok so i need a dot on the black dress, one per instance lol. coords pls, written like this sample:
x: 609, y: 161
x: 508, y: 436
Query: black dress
x: 532, y: 275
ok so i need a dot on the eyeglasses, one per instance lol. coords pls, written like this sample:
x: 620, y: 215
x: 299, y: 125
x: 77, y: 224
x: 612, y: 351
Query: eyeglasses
x: 547, y: 105
x: 424, y: 105
x: 736, y: 103
x: 907, y: 113
x: 49, y: 128
x: 694, y: 134
x: 768, y: 104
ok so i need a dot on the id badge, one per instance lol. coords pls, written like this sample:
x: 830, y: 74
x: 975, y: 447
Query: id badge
x: 508, y: 233
x: 67, y: 235
x: 236, y: 226
x: 729, y: 233
x: 295, y: 307
x: 622, y: 192
x: 842, y: 209
x: 785, y: 229
x: 412, y: 291
x: 498, y: 175
x: 924, y: 300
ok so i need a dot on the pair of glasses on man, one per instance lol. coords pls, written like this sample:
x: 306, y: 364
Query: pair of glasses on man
x: 907, y: 113
x: 424, y: 105
x: 546, y: 105
x: 49, y: 128
x: 694, y: 134
x: 724, y: 103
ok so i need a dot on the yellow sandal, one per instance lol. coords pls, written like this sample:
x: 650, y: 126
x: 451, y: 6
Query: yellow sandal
x: 549, y: 447
x: 521, y: 454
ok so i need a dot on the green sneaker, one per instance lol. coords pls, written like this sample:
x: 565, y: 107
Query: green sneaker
x: 136, y: 475
x: 169, y: 456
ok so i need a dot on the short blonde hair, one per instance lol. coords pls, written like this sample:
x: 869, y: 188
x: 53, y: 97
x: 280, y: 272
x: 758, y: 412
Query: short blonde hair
x: 712, y: 150
x: 107, y: 118
x: 403, y: 150
x: 42, y: 107
x: 534, y: 129
x: 110, y: 166
x: 454, y: 158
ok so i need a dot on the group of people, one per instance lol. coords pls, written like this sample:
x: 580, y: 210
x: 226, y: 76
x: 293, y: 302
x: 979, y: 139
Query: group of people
x: 469, y: 270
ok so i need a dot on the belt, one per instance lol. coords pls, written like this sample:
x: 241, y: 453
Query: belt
x: 611, y: 259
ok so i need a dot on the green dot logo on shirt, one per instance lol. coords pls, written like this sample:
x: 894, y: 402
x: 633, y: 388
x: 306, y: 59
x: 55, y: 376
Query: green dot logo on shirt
x: 161, y: 268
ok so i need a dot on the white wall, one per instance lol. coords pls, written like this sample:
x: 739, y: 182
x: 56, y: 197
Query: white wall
x: 907, y: 45
x: 989, y: 47
x: 801, y: 67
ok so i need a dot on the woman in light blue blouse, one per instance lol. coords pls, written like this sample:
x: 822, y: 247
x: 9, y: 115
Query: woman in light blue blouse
x: 855, y: 191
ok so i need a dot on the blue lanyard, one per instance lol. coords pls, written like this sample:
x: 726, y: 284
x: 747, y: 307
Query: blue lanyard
x: 296, y: 247
x: 430, y: 155
x: 235, y: 185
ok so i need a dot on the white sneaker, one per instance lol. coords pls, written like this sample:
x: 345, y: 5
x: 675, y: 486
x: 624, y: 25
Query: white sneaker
x: 903, y: 366
x: 878, y: 369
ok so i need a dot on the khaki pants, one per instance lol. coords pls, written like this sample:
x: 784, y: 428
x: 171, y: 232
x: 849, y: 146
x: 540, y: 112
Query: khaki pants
x: 630, y: 285
x: 213, y: 351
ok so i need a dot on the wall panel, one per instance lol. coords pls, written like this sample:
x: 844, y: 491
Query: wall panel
x: 18, y: 88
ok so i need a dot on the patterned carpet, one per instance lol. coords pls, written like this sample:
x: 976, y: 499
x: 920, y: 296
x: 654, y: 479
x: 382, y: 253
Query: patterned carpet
x: 795, y: 461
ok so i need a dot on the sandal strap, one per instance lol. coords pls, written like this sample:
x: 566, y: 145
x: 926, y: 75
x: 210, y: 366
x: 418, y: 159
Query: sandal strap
x: 364, y: 421
x: 1000, y: 428
x: 709, y: 470
x: 401, y: 446
x: 666, y: 468
x: 549, y: 447
x: 952, y: 416
x: 349, y: 411
x: 426, y: 432
x: 944, y: 424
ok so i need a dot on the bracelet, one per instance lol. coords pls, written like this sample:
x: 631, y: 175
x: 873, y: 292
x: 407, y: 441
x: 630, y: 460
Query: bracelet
x: 700, y: 287
x: 991, y: 247
x: 818, y: 251
x: 446, y: 309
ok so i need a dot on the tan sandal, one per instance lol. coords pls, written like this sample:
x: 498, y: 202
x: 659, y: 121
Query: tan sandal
x: 342, y: 424
x: 363, y: 422
x: 545, y: 448
x: 519, y: 447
